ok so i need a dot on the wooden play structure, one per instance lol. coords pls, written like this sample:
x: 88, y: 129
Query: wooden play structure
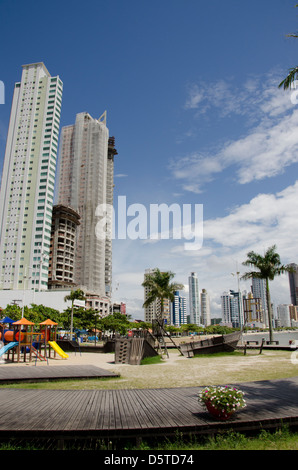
x: 23, y: 341
x: 133, y: 350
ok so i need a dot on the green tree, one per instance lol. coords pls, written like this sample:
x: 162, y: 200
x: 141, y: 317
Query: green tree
x: 293, y: 72
x: 190, y: 328
x: 267, y: 267
x: 116, y: 322
x: 160, y: 287
x: 172, y: 329
x: 218, y: 330
x: 74, y: 295
x: 83, y: 319
x: 12, y: 311
x: 39, y: 313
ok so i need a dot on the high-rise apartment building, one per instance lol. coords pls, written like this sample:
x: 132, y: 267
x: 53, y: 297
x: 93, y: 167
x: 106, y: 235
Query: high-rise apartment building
x: 258, y: 289
x: 194, y: 299
x: 293, y: 281
x: 62, y: 250
x: 178, y: 310
x: 232, y: 308
x: 28, y: 179
x: 205, y: 308
x: 86, y: 165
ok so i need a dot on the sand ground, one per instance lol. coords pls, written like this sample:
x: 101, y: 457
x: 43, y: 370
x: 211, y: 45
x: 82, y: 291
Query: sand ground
x: 179, y: 371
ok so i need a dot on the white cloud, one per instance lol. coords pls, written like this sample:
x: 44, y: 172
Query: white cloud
x: 270, y: 144
x: 265, y: 151
x: 266, y: 220
x: 256, y: 95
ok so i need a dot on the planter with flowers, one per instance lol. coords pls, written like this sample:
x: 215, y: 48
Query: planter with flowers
x: 222, y: 402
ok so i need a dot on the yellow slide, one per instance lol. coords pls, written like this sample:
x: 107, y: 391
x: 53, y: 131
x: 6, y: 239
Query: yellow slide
x: 58, y: 349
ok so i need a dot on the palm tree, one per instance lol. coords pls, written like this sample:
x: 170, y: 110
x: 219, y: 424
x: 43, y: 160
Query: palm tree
x: 293, y: 73
x: 160, y: 287
x: 74, y: 295
x: 290, y: 78
x: 268, y: 266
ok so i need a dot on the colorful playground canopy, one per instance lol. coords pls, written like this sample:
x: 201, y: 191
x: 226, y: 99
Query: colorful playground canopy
x: 23, y: 321
x: 6, y: 320
x: 48, y: 322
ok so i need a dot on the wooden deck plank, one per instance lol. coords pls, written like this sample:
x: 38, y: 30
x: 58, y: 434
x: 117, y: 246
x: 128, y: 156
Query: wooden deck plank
x: 87, y: 411
x: 150, y: 415
x: 63, y: 406
x: 104, y: 417
x: 120, y: 412
x: 138, y: 412
x: 96, y: 410
x: 54, y: 412
x: 167, y: 412
x: 132, y: 420
x: 47, y: 372
x: 187, y: 402
x: 145, y: 418
x: 74, y: 411
x: 25, y: 409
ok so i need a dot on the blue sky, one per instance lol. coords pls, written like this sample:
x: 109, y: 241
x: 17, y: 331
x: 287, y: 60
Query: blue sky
x: 191, y: 93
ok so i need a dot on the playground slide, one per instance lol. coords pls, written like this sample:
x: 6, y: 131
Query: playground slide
x: 58, y: 349
x: 8, y: 346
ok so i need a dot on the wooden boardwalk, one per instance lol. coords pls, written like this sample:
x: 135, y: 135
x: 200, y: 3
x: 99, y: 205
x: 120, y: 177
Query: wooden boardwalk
x: 45, y: 373
x: 116, y: 414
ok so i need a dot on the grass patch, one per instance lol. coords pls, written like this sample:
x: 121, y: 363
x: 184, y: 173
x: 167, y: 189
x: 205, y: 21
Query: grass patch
x: 151, y: 360
x: 179, y: 371
x: 221, y: 354
x: 281, y: 439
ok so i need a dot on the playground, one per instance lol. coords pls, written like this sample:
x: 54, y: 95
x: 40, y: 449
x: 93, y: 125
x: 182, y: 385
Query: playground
x: 24, y: 341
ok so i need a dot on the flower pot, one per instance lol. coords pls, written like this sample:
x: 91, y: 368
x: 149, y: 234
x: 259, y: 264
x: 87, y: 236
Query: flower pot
x: 219, y: 413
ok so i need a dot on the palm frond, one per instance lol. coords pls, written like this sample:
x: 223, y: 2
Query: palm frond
x: 251, y: 275
x: 290, y: 78
x: 159, y: 286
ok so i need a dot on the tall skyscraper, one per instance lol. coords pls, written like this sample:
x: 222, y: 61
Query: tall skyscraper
x: 258, y: 289
x: 205, y: 308
x: 28, y: 179
x: 232, y: 308
x: 293, y: 280
x: 62, y: 251
x: 86, y: 162
x: 194, y: 299
x: 283, y: 314
x: 178, y: 310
